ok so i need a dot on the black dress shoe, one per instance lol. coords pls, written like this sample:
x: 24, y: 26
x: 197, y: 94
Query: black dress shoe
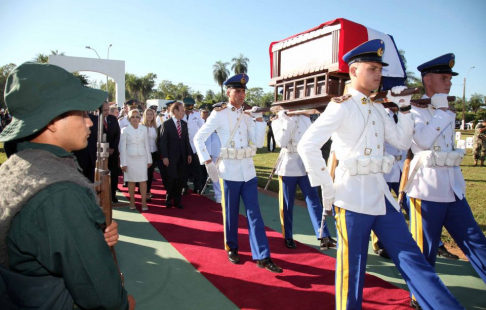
x: 269, y: 265
x: 327, y: 243
x: 233, y: 256
x: 179, y: 207
x: 290, y: 244
x: 442, y: 251
x: 415, y: 305
x: 168, y: 205
x: 382, y: 253
x: 114, y: 200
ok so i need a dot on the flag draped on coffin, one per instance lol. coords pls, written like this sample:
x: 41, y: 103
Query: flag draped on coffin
x: 353, y: 34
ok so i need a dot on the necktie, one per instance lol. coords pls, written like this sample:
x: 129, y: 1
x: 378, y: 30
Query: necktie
x: 395, y: 117
x: 179, y: 128
x: 106, y: 124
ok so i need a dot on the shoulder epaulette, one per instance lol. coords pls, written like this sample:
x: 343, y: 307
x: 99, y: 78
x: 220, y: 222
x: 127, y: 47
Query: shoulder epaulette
x: 220, y: 108
x: 341, y: 99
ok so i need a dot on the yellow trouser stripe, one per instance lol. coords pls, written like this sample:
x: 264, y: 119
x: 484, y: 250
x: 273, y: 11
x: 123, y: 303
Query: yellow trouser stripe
x: 342, y: 269
x: 281, y: 204
x: 374, y: 241
x: 416, y: 224
x: 223, y: 207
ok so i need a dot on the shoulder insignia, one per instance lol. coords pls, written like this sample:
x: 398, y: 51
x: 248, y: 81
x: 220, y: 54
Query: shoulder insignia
x: 220, y: 108
x: 341, y: 99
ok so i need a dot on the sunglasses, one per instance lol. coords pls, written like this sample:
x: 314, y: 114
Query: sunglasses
x: 134, y: 116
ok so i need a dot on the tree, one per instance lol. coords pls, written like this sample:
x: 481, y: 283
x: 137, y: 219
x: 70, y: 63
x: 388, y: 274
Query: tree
x: 147, y: 84
x: 240, y: 64
x: 476, y: 102
x: 412, y: 81
x: 56, y: 52
x: 41, y: 58
x: 134, y: 85
x: 198, y: 96
x: 111, y: 89
x: 209, y: 95
x: 4, y: 72
x: 83, y: 78
x: 220, y: 74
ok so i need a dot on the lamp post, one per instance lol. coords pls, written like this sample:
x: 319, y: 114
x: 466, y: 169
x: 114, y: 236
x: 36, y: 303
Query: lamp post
x: 107, y: 57
x: 464, y: 101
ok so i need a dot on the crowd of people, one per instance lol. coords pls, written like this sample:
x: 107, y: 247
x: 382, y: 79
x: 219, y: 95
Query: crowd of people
x: 58, y: 209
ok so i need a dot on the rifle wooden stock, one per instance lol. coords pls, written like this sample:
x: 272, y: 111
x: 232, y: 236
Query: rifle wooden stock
x: 276, y: 109
x: 376, y: 97
x: 404, y: 179
x: 427, y: 100
x: 102, y: 181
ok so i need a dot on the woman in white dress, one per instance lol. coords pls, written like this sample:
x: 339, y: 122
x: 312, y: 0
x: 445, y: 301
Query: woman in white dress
x: 135, y: 157
x: 150, y: 122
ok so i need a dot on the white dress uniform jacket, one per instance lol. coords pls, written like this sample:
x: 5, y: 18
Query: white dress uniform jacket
x: 124, y: 122
x: 194, y: 122
x: 223, y: 122
x: 400, y: 155
x: 437, y: 184
x: 360, y: 193
x: 288, y: 131
x: 136, y: 143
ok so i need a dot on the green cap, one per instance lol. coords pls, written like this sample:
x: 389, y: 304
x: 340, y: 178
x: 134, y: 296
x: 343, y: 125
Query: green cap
x: 37, y: 93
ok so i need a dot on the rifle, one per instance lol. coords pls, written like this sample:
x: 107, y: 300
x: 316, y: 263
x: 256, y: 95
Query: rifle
x: 332, y: 171
x: 270, y: 177
x: 404, y: 178
x: 102, y: 179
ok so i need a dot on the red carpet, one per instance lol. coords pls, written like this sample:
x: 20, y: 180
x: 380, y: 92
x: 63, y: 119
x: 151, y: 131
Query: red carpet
x: 306, y: 283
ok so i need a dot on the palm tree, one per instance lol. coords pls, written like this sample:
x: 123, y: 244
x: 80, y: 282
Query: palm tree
x: 240, y: 64
x: 220, y: 74
x: 56, y: 52
x: 41, y: 58
x: 133, y: 85
x: 147, y: 85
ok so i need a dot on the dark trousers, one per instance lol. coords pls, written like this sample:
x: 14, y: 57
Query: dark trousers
x: 194, y: 171
x: 150, y: 171
x: 270, y: 141
x: 163, y: 172
x: 113, y: 167
x: 174, y: 185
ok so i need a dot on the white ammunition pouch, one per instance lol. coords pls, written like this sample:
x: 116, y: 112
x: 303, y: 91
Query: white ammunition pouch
x: 441, y: 159
x: 234, y: 153
x: 362, y: 165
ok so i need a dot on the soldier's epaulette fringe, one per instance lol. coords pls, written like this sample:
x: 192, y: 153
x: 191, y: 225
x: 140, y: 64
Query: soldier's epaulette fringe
x: 341, y: 99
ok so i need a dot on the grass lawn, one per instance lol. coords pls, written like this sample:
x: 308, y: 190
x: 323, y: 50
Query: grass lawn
x: 475, y: 180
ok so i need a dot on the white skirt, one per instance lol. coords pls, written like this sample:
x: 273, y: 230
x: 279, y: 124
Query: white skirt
x: 136, y: 169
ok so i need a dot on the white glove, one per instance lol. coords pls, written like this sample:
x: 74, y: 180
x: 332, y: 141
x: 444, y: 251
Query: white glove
x: 282, y: 114
x: 400, y: 101
x: 327, y: 196
x: 439, y: 101
x: 212, y: 172
x: 254, y: 112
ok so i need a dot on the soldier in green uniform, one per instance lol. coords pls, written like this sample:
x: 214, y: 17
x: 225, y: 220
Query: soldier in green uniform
x: 53, y: 240
x: 479, y: 143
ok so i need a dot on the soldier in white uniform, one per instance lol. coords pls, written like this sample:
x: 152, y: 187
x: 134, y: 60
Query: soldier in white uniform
x: 194, y: 123
x: 360, y: 194
x: 238, y: 177
x: 123, y: 121
x: 288, y: 131
x: 436, y: 187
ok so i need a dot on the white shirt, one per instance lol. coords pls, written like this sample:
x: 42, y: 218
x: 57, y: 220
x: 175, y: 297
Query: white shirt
x: 194, y: 122
x: 394, y: 175
x: 288, y: 131
x: 224, y: 122
x: 345, y: 122
x: 437, y: 184
x: 152, y: 137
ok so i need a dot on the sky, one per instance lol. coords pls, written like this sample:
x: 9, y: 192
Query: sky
x: 181, y: 40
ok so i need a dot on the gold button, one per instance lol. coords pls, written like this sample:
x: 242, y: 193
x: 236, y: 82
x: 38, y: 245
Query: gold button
x: 376, y: 134
x: 438, y: 128
x: 444, y: 136
x: 323, y: 168
x: 378, y: 146
x: 427, y: 122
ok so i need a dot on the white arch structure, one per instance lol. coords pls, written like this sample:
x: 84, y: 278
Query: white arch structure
x: 113, y: 68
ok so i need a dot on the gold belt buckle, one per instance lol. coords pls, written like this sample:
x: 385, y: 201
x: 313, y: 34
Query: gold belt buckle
x: 368, y: 151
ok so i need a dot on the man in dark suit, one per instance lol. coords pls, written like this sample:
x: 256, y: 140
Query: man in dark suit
x: 87, y: 157
x: 112, y: 131
x: 176, y: 153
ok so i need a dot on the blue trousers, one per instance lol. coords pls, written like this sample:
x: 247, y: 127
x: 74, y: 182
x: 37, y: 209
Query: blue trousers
x: 286, y: 197
x: 353, y: 237
x: 230, y: 202
x: 427, y: 219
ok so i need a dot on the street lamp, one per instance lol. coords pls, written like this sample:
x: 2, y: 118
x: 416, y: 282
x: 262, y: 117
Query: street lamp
x: 464, y: 101
x: 107, y: 57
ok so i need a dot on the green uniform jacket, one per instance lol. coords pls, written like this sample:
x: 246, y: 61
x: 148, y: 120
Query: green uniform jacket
x: 58, y: 233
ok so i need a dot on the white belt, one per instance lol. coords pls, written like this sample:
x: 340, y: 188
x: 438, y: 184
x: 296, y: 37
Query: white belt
x: 234, y: 153
x: 362, y: 165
